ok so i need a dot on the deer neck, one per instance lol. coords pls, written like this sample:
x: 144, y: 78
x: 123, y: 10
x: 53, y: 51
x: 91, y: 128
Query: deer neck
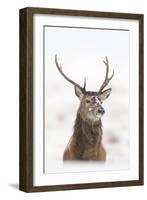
x: 87, y: 134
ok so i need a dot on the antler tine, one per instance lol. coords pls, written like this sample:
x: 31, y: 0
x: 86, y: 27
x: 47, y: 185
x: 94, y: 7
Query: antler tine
x: 107, y: 66
x: 68, y: 79
x: 107, y: 80
x: 84, y: 87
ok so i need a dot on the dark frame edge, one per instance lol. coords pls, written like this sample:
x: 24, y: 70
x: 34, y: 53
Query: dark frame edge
x: 86, y: 186
x: 141, y: 99
x: 25, y: 101
x: 85, y: 13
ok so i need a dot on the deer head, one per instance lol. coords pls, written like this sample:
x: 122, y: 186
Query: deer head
x: 90, y: 108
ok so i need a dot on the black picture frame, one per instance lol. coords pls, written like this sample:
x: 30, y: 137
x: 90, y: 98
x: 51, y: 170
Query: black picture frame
x: 26, y: 99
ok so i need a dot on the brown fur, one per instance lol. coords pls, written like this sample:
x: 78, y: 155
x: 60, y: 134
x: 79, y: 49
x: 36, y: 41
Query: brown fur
x: 86, y: 142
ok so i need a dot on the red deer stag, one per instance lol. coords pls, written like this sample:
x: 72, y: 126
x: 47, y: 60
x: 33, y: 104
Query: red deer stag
x: 86, y: 141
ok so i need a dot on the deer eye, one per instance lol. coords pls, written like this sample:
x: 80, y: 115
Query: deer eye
x: 87, y: 101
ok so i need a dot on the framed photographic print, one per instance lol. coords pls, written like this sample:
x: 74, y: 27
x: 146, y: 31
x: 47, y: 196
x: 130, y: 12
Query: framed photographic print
x: 81, y: 99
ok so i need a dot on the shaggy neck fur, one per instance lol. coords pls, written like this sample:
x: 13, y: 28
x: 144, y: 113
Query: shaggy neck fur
x: 86, y: 136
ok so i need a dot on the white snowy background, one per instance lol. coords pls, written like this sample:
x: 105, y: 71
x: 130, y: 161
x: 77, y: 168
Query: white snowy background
x: 81, y: 52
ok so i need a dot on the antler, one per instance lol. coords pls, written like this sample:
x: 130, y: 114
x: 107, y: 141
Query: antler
x: 107, y: 80
x: 68, y: 79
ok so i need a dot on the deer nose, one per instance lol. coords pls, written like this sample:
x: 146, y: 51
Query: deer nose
x: 101, y: 110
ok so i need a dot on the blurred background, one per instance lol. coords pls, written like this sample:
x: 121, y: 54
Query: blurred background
x: 81, y: 53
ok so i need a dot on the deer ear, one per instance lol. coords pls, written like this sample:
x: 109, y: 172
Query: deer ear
x: 79, y: 93
x: 105, y: 94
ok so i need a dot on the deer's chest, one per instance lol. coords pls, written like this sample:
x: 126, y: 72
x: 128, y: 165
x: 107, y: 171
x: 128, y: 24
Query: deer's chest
x: 89, y: 154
